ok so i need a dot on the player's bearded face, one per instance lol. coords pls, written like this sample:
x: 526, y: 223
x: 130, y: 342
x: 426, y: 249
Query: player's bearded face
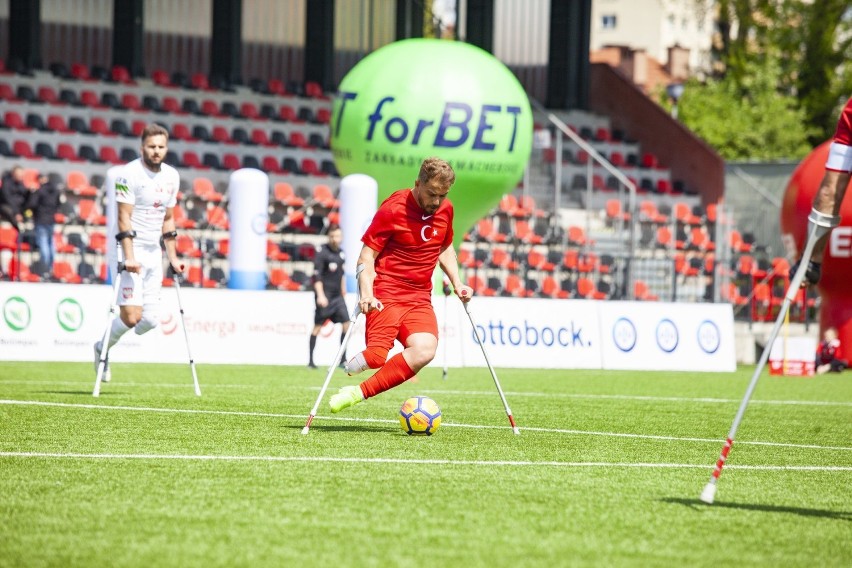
x: 430, y: 195
x: 154, y: 151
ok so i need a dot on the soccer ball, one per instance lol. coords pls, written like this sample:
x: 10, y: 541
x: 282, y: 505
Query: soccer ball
x: 419, y: 416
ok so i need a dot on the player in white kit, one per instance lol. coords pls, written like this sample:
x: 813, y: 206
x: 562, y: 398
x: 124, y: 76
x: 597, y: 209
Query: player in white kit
x: 146, y: 193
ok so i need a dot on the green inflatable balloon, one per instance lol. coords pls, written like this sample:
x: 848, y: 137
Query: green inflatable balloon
x: 425, y: 97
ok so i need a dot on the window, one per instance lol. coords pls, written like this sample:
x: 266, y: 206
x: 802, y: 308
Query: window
x: 608, y: 21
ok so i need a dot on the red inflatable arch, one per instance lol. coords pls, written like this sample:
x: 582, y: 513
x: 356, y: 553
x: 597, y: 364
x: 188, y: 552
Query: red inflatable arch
x: 835, y: 286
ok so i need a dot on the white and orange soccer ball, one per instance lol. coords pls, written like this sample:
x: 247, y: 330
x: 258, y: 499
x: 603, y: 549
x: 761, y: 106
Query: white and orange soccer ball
x: 420, y: 416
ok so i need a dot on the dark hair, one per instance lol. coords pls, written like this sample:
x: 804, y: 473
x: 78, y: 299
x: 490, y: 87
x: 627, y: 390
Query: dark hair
x: 332, y: 227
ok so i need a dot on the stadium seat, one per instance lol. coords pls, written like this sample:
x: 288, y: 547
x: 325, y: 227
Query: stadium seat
x: 65, y: 151
x: 161, y: 78
x: 642, y: 292
x: 90, y: 99
x: 44, y: 150
x: 78, y: 182
x: 310, y: 167
x: 210, y: 108
x: 36, y: 122
x: 249, y: 111
x: 110, y: 100
x: 130, y: 101
x: 78, y: 124
x: 191, y: 160
x: 56, y: 123
x: 260, y: 137
x: 171, y: 105
x: 230, y: 109
x: 14, y: 121
x: 47, y: 94
x: 220, y: 134
x: 22, y: 148
x: 97, y: 242
x: 99, y: 126
x: 240, y: 136
x: 287, y: 113
x: 120, y: 127
x: 270, y: 165
x: 323, y: 115
x: 109, y: 155
x: 231, y: 161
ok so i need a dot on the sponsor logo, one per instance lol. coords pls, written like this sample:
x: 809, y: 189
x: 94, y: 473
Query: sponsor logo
x: 426, y: 234
x: 530, y: 335
x: 16, y: 312
x: 667, y: 335
x: 424, y: 217
x: 168, y: 324
x: 709, y: 337
x: 624, y: 334
x: 69, y: 314
x: 258, y: 223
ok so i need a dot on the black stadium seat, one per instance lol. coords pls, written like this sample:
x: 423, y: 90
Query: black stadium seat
x: 120, y: 127
x: 128, y: 154
x: 78, y: 124
x: 44, y: 150
x: 190, y: 105
x: 36, y: 121
x: 88, y: 153
x: 199, y: 131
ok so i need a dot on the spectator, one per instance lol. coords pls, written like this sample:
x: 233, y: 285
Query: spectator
x: 44, y: 203
x: 829, y: 358
x: 13, y: 196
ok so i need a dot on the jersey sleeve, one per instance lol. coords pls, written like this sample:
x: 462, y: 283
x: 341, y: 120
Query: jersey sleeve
x: 448, y: 236
x: 123, y: 191
x: 175, y: 181
x: 380, y: 230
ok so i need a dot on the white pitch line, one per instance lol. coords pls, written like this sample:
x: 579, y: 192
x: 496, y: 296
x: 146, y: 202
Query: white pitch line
x: 643, y: 397
x: 450, y: 424
x: 394, y: 461
x: 709, y: 400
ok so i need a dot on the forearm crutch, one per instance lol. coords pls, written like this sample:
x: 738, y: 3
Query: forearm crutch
x: 178, y: 278
x: 340, y: 352
x: 819, y: 224
x: 515, y: 428
x: 116, y: 287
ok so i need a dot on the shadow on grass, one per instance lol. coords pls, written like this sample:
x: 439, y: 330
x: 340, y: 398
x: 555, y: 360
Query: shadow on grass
x: 342, y: 428
x: 697, y: 504
x: 81, y: 393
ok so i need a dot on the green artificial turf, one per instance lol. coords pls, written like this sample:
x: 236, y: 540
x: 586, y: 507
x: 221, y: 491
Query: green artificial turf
x: 607, y: 470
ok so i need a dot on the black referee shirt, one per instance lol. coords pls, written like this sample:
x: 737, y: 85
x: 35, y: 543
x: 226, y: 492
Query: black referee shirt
x: 328, y: 269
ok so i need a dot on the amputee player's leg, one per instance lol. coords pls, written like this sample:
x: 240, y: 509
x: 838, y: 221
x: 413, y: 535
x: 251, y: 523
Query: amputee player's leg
x: 152, y: 291
x: 418, y: 332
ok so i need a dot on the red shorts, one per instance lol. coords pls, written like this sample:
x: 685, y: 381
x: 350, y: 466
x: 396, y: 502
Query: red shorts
x: 398, y: 321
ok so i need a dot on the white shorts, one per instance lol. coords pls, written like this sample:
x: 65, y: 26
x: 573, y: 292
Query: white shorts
x: 839, y: 158
x: 144, y: 288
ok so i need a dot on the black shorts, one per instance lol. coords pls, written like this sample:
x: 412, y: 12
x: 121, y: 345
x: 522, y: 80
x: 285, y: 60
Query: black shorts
x: 334, y: 311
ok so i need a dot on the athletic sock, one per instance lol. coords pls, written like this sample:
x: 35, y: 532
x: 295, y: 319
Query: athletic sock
x: 118, y: 329
x: 395, y: 372
x: 312, y: 344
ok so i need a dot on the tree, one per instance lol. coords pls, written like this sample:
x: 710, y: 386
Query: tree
x: 746, y: 118
x: 809, y: 40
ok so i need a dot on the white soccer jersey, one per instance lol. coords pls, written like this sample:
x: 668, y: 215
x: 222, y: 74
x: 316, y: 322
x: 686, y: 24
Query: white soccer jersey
x: 150, y: 194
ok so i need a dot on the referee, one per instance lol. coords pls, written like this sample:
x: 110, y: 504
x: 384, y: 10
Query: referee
x: 329, y: 290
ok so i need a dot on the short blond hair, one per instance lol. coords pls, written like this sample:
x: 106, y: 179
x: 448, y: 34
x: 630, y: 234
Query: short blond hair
x: 436, y: 168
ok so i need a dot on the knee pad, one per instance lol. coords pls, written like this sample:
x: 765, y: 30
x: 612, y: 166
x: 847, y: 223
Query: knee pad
x: 150, y: 320
x: 375, y: 357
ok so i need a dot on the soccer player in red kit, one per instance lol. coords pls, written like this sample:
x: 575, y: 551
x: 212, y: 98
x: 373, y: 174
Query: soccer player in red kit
x: 832, y: 189
x: 411, y: 232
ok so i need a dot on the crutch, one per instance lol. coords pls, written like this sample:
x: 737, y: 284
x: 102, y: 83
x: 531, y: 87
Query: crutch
x: 515, y: 428
x: 819, y: 224
x: 340, y: 352
x: 178, y: 278
x: 447, y: 292
x: 116, y: 287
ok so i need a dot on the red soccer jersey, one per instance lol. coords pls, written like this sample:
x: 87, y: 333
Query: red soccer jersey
x: 408, y: 242
x: 843, y: 134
